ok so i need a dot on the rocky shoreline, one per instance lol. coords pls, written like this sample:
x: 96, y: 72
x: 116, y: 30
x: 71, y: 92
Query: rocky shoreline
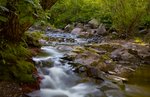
x: 114, y: 61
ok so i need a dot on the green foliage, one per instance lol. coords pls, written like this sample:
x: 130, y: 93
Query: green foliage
x: 22, y: 71
x: 14, y: 65
x: 32, y: 38
x: 147, y: 38
x: 28, y: 10
x: 127, y: 15
x: 69, y: 11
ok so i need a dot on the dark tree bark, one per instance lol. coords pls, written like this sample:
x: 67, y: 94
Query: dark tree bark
x: 47, y: 4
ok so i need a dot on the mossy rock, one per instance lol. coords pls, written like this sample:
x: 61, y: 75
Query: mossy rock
x: 109, y: 47
x: 32, y: 38
x: 78, y: 50
x: 105, y: 63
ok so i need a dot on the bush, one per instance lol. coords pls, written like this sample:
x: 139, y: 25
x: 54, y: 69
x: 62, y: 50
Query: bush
x: 127, y: 15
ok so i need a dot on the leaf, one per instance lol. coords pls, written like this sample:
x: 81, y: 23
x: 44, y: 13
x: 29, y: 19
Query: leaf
x: 4, y: 8
x: 3, y: 19
x: 4, y: 62
x: 30, y: 1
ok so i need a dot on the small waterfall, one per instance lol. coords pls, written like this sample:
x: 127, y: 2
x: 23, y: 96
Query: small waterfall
x: 59, y: 80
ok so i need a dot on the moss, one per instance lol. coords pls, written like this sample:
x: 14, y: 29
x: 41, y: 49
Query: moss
x: 14, y: 65
x: 32, y: 38
x: 109, y: 47
x: 79, y: 50
x: 94, y: 51
x: 22, y: 71
x: 105, y: 57
x: 102, y: 64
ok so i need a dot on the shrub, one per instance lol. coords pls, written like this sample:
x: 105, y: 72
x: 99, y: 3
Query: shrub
x: 14, y: 65
x: 127, y: 15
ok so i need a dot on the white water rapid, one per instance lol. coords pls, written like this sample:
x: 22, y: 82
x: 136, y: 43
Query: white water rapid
x: 59, y: 80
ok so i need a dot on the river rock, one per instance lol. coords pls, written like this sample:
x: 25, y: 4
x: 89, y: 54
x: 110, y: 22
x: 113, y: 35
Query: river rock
x: 122, y: 54
x: 79, y: 25
x: 107, y: 85
x: 94, y: 23
x: 114, y: 93
x: 101, y: 30
x: 87, y: 26
x: 68, y: 28
x: 76, y: 31
x: 43, y: 42
x: 64, y: 48
x: 140, y: 51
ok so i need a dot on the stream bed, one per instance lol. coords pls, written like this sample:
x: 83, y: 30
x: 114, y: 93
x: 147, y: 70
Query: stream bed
x: 59, y: 80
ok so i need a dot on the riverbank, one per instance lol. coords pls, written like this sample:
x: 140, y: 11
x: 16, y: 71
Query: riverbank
x: 111, y: 60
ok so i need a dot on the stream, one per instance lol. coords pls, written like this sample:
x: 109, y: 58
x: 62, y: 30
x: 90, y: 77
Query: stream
x: 59, y: 80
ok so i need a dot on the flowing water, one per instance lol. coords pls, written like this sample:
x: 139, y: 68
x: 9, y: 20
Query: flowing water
x: 59, y: 80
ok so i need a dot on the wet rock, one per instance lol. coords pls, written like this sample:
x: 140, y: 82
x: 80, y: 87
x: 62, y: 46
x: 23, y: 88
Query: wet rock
x: 70, y: 56
x: 64, y: 48
x: 107, y: 85
x: 114, y: 93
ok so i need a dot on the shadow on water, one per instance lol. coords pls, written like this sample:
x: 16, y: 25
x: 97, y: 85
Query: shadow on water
x: 139, y: 83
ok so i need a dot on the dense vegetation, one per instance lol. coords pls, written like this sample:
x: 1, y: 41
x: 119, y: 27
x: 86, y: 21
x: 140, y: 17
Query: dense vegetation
x: 16, y: 16
x: 125, y: 16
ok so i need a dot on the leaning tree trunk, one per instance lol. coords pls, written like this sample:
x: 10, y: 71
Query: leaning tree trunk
x: 12, y: 30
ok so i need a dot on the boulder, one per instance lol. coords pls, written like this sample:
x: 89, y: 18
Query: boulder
x: 94, y: 23
x: 76, y: 31
x: 101, y: 30
x: 87, y: 26
x: 68, y: 28
x: 79, y: 25
x: 43, y: 42
x: 140, y: 51
x: 122, y: 54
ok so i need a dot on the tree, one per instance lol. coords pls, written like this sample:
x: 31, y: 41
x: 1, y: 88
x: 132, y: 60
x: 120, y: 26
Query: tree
x: 16, y: 16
